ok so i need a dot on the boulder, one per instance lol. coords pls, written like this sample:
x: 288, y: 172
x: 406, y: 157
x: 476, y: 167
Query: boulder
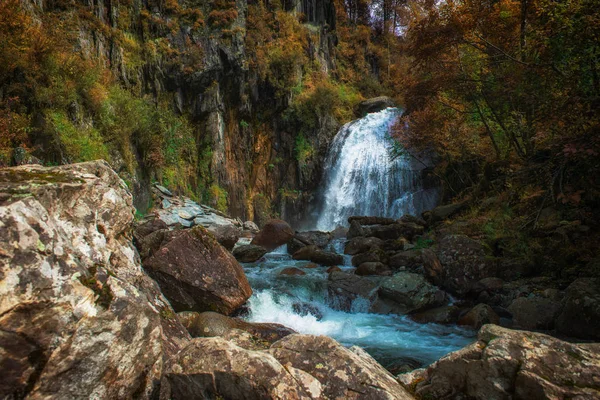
x: 318, y: 238
x: 464, y: 263
x: 373, y: 255
x: 343, y: 373
x: 533, y: 313
x: 146, y: 227
x: 339, y: 232
x: 441, y: 213
x: 478, y: 316
x: 294, y: 245
x: 250, y: 226
x: 275, y: 233
x: 197, y: 274
x: 316, y: 255
x: 355, y: 230
x: 412, y: 292
x: 226, y: 235
x: 407, y: 259
x: 79, y: 318
x: 361, y: 244
x: 307, y: 309
x: 335, y: 268
x: 511, y: 364
x: 249, y: 253
x: 432, y: 267
x: 292, y: 271
x: 438, y: 315
x: 214, y: 368
x: 345, y: 288
x: 210, y: 324
x: 580, y: 316
x: 373, y: 268
x: 374, y: 105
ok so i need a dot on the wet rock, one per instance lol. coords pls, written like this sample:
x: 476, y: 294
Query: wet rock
x: 441, y: 213
x: 372, y: 220
x: 464, y: 263
x: 335, y: 268
x: 275, y: 233
x: 197, y: 273
x: 412, y: 292
x: 210, y: 324
x: 78, y: 315
x: 393, y: 246
x: 534, y: 313
x: 478, y: 316
x: 509, y: 364
x: 407, y: 259
x: 317, y: 238
x: 307, y: 309
x: 249, y: 253
x: 373, y: 268
x: 374, y: 255
x: 310, y: 266
x: 343, y: 373
x: 355, y: 230
x: 292, y: 271
x: 344, y: 288
x: 164, y: 190
x: 339, y: 232
x: 361, y: 244
x: 580, y: 316
x: 294, y: 245
x: 216, y: 368
x: 374, y: 105
x: 438, y: 315
x: 316, y: 255
x: 432, y: 267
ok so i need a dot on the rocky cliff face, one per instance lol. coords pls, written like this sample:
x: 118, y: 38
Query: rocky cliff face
x: 193, y: 56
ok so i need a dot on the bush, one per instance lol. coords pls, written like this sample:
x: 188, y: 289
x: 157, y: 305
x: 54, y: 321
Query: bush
x: 80, y: 144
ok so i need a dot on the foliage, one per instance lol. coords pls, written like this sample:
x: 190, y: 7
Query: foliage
x: 304, y: 150
x: 80, y: 143
x: 217, y: 197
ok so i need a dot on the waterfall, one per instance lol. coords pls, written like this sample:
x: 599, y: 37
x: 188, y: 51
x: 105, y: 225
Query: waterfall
x: 361, y: 178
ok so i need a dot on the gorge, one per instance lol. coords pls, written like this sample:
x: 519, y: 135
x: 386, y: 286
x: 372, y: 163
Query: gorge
x: 275, y: 199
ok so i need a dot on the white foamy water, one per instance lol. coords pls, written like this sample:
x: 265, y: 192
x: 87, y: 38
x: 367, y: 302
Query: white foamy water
x: 362, y: 179
x: 393, y: 340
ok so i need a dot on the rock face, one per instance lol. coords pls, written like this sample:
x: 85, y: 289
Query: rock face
x: 249, y: 253
x: 274, y: 234
x: 463, y: 262
x: 343, y: 373
x: 510, y: 364
x: 412, y: 292
x: 197, y: 274
x: 581, y: 314
x: 79, y: 316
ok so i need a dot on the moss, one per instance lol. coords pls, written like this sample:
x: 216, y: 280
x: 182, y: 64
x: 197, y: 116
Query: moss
x: 167, y: 313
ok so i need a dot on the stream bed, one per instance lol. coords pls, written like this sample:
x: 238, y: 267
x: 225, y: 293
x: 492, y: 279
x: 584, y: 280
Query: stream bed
x: 302, y: 303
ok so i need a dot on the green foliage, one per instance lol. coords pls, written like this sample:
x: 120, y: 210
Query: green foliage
x: 217, y: 197
x: 80, y: 144
x: 304, y: 150
x: 423, y: 243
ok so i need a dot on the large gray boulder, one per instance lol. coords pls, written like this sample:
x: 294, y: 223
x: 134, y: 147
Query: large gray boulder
x: 79, y: 318
x: 464, y: 263
x: 511, y: 364
x: 411, y: 292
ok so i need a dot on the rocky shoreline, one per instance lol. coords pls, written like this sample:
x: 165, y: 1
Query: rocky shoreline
x: 86, y: 314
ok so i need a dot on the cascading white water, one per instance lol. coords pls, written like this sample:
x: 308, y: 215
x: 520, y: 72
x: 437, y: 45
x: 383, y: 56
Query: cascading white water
x: 361, y: 178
